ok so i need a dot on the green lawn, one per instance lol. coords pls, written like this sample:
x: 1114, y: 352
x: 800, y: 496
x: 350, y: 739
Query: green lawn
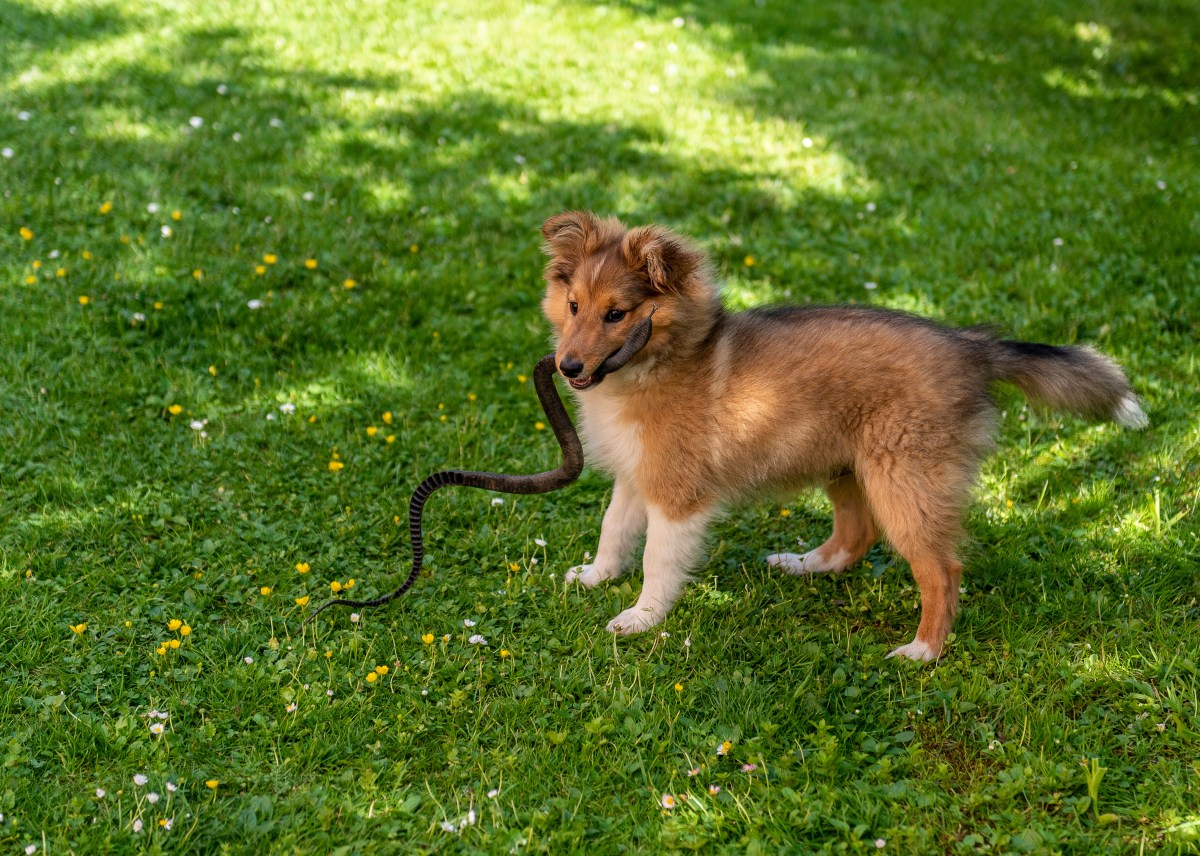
x: 176, y: 382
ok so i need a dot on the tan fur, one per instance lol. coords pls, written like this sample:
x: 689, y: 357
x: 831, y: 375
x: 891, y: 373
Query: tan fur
x: 890, y: 413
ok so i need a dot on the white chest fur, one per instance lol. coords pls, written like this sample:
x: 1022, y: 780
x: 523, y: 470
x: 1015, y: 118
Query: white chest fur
x: 612, y: 443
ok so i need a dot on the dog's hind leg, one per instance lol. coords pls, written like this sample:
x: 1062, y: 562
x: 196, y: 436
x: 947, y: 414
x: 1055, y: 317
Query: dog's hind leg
x: 920, y: 516
x: 854, y: 533
x: 622, y: 530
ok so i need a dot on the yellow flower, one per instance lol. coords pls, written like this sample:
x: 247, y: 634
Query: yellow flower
x: 504, y: 653
x: 30, y: 280
x: 186, y: 630
x: 414, y: 248
x: 175, y: 409
x: 260, y: 269
x: 37, y: 264
x: 26, y: 233
x: 302, y: 601
x: 173, y: 644
x: 328, y: 655
x: 158, y: 304
x: 61, y: 272
x: 84, y: 300
x: 174, y: 624
x: 212, y: 370
x: 198, y: 274
x: 471, y: 396
x: 442, y: 418
x: 350, y: 583
x: 78, y: 628
x: 335, y: 587
x: 212, y: 784
x: 391, y: 438
x: 748, y: 261
x: 539, y: 425
x: 129, y: 624
x: 302, y: 567
x: 382, y: 670
x: 427, y: 638
x: 334, y: 466
x: 264, y: 591
x: 162, y: 650
x: 372, y: 430
x: 176, y: 215
x: 387, y: 418
x: 372, y: 677
x: 514, y: 567
x: 521, y: 378
x: 311, y: 264
x: 106, y: 207
x: 349, y: 283
x: 678, y: 688
x: 86, y: 255
x: 785, y: 512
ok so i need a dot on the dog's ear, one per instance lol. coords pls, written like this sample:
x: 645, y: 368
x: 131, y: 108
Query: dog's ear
x: 570, y: 235
x: 665, y: 259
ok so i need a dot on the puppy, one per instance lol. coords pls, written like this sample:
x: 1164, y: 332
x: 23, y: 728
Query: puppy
x: 890, y: 413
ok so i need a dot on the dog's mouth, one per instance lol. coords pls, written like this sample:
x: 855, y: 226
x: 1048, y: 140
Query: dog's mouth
x: 585, y: 382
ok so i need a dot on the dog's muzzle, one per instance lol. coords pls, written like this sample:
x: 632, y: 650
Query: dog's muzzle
x: 637, y: 340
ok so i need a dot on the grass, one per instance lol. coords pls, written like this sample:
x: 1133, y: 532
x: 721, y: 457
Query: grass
x: 1028, y: 164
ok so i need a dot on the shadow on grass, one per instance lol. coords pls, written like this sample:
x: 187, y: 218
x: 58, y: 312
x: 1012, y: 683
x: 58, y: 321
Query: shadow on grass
x: 24, y: 30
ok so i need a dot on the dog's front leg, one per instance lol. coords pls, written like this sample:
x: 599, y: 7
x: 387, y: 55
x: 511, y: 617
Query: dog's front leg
x: 672, y: 547
x: 623, y: 527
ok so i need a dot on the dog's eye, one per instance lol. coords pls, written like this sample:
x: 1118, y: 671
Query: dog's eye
x: 574, y: 307
x: 614, y: 315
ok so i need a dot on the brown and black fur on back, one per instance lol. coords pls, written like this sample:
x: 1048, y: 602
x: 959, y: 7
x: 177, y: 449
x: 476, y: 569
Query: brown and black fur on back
x: 889, y: 412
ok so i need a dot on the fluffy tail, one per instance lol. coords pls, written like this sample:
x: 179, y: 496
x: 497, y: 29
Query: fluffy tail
x: 1075, y: 379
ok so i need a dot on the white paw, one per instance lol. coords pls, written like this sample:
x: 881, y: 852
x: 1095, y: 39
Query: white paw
x: 634, y: 620
x: 808, y: 563
x: 916, y: 650
x: 588, y: 575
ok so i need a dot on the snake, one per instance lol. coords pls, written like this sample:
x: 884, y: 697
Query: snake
x: 551, y: 480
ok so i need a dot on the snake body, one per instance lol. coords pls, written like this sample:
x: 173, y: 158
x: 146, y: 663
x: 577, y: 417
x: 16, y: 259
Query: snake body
x: 567, y: 472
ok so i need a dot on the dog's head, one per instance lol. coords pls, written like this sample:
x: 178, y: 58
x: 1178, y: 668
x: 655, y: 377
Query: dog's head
x: 603, y: 279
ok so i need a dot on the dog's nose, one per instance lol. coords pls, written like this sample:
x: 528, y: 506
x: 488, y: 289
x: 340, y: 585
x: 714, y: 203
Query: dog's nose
x: 570, y: 366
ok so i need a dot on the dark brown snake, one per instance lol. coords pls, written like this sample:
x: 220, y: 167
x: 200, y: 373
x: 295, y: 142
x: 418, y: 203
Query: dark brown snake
x: 564, y: 432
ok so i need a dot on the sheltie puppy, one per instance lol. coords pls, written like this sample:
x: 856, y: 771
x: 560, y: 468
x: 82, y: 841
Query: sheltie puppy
x: 889, y: 413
